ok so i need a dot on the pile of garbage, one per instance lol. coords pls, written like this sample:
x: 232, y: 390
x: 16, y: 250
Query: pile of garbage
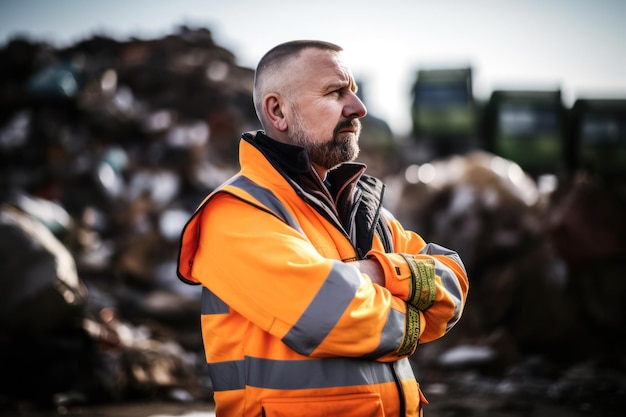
x: 544, y: 256
x: 106, y: 148
x: 545, y: 259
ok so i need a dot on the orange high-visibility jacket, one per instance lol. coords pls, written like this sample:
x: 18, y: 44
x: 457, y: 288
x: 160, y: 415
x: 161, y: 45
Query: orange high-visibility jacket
x: 290, y: 327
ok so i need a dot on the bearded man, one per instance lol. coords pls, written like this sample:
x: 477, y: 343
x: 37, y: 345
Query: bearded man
x: 313, y: 295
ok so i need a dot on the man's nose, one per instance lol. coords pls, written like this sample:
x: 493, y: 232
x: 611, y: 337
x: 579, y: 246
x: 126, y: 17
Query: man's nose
x: 355, y: 107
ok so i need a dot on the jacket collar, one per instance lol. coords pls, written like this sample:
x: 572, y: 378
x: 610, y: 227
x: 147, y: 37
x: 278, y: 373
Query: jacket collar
x: 294, y: 160
x: 291, y: 158
x: 294, y: 164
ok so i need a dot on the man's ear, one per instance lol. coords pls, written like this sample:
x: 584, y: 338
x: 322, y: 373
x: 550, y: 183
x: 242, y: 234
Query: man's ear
x: 273, y: 109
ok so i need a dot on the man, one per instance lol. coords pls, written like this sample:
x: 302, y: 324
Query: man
x: 313, y: 295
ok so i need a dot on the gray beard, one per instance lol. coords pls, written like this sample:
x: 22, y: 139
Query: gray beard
x: 330, y: 153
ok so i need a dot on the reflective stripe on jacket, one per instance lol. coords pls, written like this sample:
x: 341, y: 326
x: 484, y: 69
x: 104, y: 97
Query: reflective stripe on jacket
x: 289, y: 326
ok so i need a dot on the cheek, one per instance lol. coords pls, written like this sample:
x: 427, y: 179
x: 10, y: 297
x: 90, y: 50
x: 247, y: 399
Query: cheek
x: 324, y: 128
x: 321, y: 117
x: 327, y: 117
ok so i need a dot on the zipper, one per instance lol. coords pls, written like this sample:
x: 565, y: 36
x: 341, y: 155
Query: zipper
x: 351, y: 220
x: 402, y: 407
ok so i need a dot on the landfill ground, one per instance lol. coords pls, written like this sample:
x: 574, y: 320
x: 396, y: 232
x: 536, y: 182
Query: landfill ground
x: 448, y: 404
x: 583, y: 391
x: 454, y: 405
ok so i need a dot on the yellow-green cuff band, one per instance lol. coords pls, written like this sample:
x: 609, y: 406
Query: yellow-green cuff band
x: 423, y: 289
x: 411, y: 332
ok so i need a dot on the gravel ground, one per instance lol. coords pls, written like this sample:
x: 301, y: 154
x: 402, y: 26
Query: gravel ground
x: 527, y: 390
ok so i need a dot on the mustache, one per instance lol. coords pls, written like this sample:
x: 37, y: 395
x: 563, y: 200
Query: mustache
x: 353, y: 123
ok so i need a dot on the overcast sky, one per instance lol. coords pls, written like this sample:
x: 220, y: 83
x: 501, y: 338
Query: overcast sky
x: 578, y: 46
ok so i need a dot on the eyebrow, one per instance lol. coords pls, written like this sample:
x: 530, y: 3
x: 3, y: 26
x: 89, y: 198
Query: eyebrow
x: 336, y: 85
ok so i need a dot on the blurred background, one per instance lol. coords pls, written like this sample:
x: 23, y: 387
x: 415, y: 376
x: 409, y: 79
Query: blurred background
x: 499, y: 128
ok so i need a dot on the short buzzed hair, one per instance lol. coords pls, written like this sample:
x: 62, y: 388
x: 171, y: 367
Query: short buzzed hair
x: 277, y: 57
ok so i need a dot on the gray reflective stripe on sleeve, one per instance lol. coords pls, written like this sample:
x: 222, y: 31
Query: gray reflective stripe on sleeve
x: 325, y: 309
x: 451, y: 284
x: 435, y: 249
x: 300, y: 374
x: 392, y: 335
x: 448, y: 279
x: 212, y: 304
x: 268, y: 199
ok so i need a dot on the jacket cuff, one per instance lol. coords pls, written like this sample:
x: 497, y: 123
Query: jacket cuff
x: 411, y: 332
x: 410, y: 278
x: 423, y: 290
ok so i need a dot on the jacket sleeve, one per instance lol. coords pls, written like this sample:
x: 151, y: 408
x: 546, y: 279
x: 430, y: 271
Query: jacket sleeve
x: 273, y: 275
x: 428, y: 277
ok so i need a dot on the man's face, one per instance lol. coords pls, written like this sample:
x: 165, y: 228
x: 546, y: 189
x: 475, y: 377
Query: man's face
x: 324, y: 112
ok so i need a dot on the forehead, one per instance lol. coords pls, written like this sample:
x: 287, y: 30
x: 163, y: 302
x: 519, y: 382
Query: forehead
x: 319, y: 68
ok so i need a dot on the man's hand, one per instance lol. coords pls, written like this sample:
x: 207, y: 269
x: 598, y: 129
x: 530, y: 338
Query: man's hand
x: 373, y: 269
